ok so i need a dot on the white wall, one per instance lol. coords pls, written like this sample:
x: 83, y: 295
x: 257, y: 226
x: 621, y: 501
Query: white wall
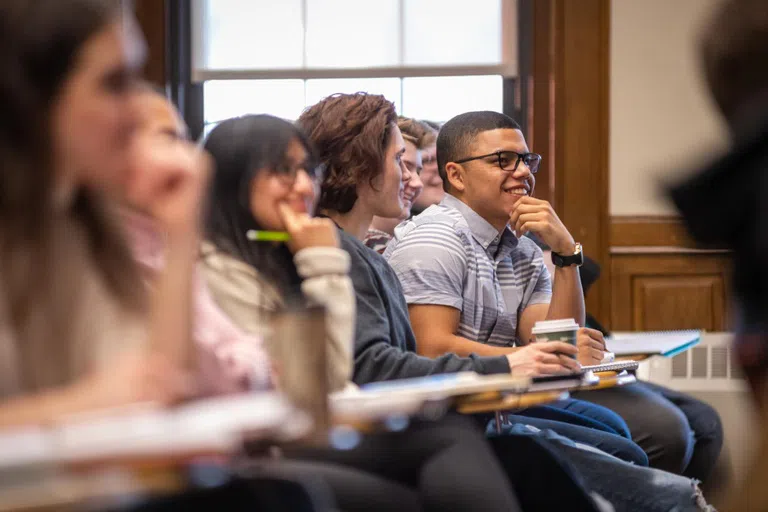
x: 661, y: 118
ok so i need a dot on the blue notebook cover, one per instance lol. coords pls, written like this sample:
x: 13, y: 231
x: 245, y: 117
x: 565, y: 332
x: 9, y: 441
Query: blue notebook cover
x: 664, y: 343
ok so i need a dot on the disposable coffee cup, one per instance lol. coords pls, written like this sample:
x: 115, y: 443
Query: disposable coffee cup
x: 297, y: 346
x: 565, y: 330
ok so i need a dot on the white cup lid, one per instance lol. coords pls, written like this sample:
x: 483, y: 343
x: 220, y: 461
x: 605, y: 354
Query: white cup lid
x: 554, y: 325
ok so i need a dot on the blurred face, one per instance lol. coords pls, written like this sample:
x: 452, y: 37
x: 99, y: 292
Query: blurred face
x: 483, y: 185
x: 385, y: 196
x: 93, y: 120
x: 157, y: 117
x: 290, y: 184
x: 433, y: 185
x: 159, y: 125
x: 414, y: 186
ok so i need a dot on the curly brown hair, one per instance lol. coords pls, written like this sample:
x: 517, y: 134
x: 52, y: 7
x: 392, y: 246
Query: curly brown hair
x: 350, y: 133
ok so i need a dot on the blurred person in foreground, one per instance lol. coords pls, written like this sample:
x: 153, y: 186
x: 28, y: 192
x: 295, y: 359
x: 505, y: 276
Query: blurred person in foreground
x: 725, y: 204
x: 77, y: 329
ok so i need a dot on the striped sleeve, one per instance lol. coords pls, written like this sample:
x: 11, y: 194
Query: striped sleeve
x: 539, y: 287
x: 430, y: 261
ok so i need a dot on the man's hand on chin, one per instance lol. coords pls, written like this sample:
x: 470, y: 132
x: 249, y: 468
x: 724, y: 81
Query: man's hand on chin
x: 538, y: 217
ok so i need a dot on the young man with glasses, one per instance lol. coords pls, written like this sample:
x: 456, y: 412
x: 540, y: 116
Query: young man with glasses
x: 476, y: 285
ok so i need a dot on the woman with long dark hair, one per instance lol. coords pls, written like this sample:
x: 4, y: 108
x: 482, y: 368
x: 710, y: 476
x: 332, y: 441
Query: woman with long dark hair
x: 266, y: 182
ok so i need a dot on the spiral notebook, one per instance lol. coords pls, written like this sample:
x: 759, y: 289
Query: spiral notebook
x: 664, y: 343
x: 617, y: 366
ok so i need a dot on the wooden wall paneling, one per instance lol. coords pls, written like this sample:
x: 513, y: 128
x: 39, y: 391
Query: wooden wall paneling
x: 581, y: 121
x: 670, y: 289
x: 152, y: 19
x: 675, y: 302
x: 662, y: 231
x: 537, y: 32
x: 566, y: 118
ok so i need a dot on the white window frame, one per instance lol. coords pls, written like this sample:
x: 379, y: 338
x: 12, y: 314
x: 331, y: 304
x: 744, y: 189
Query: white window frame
x: 507, y: 68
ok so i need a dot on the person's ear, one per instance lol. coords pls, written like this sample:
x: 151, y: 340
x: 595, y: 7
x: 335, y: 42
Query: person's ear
x: 456, y: 175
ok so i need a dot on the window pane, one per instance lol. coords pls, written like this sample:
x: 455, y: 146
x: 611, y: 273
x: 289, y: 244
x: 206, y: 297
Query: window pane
x: 207, y: 129
x: 255, y: 34
x: 224, y: 98
x: 444, y: 32
x: 346, y: 34
x: 440, y: 98
x: 319, y: 89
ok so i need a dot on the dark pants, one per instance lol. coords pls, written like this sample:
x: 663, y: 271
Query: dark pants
x: 276, y: 490
x: 542, y: 477
x: 679, y: 433
x: 455, y: 468
x: 352, y: 489
x: 448, y: 462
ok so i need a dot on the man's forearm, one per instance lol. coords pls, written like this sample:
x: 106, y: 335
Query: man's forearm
x: 567, y: 296
x: 452, y: 344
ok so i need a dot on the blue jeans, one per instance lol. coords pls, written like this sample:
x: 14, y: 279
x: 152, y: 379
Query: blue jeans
x: 584, y: 423
x: 582, y: 413
x: 627, y: 487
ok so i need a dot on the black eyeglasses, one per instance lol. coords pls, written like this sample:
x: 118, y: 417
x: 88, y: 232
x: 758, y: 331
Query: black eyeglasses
x: 509, y: 160
x: 290, y: 173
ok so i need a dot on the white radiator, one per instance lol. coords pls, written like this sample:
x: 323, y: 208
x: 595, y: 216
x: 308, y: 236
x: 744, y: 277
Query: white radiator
x: 709, y: 366
x: 709, y: 372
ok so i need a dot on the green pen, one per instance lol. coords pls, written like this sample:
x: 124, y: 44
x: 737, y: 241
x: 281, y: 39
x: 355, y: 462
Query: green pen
x: 267, y: 236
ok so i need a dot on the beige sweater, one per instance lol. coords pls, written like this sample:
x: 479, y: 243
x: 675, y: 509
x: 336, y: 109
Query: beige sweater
x: 93, y: 327
x: 251, y: 301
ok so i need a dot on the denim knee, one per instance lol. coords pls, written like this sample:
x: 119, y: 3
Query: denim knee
x: 598, y: 413
x: 618, y: 446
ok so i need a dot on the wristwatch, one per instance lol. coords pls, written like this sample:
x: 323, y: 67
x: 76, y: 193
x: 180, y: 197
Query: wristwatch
x: 577, y: 258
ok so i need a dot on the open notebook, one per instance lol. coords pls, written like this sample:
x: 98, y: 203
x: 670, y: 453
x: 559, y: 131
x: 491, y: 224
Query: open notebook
x: 665, y: 343
x: 205, y: 427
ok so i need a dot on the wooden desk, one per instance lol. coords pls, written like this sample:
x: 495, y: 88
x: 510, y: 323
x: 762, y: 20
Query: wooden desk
x: 476, y: 405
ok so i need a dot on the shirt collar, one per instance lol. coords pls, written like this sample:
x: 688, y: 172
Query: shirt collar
x: 482, y: 230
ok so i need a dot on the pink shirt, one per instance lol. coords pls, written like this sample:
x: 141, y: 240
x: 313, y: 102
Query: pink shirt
x: 229, y: 360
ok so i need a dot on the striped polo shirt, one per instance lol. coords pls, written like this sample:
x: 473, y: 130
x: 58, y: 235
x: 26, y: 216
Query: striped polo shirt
x: 450, y: 256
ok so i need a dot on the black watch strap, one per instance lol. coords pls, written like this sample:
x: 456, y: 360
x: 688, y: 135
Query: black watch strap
x: 577, y: 258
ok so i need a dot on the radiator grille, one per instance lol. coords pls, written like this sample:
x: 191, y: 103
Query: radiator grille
x: 707, y: 367
x: 705, y: 362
